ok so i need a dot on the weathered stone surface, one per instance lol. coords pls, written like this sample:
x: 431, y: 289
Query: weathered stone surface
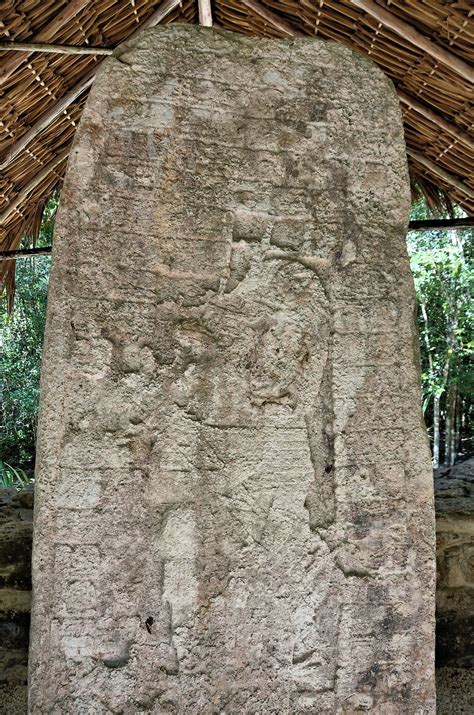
x: 16, y: 532
x: 234, y: 486
x: 454, y: 492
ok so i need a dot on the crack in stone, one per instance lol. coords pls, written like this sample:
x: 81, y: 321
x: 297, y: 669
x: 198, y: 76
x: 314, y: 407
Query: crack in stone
x: 320, y: 498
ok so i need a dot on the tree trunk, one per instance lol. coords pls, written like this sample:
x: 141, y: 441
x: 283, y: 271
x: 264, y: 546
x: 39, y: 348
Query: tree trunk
x: 435, y: 445
x: 436, y: 411
x: 457, y: 432
x: 450, y: 440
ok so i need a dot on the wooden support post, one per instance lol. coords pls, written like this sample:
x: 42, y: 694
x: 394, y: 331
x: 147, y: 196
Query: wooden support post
x: 405, y: 30
x: 205, y: 13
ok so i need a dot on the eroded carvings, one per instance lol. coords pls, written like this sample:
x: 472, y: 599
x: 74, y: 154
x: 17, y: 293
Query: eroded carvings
x: 235, y: 506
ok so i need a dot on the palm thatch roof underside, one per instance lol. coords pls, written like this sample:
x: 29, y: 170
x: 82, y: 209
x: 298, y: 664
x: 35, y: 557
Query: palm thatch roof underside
x: 425, y: 46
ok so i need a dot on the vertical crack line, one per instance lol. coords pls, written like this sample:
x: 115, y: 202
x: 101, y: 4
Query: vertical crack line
x: 321, y: 496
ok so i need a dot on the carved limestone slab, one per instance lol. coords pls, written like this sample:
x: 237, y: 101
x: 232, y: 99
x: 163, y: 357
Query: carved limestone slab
x: 234, y: 510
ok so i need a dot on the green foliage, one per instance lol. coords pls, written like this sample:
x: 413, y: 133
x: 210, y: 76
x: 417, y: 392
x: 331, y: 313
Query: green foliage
x: 443, y: 271
x: 21, y: 344
x: 13, y: 478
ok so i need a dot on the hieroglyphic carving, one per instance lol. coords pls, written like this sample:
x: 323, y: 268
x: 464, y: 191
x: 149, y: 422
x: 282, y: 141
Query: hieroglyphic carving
x: 234, y: 484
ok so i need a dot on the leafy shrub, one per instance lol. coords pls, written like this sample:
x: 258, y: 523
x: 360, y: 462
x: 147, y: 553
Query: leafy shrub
x: 13, y: 478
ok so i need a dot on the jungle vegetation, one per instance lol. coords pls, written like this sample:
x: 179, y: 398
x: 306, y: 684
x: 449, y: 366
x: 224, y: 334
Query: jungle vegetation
x: 442, y: 264
x: 21, y: 345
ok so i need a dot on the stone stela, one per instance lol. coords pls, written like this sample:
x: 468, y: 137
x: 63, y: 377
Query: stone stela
x: 234, y: 495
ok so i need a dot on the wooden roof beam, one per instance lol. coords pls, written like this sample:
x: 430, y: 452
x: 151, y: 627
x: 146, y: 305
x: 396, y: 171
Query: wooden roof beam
x: 441, y: 224
x: 436, y: 118
x: 25, y: 253
x: 272, y: 18
x: 409, y: 33
x: 441, y: 173
x: 205, y: 13
x: 46, y: 120
x: 44, y: 35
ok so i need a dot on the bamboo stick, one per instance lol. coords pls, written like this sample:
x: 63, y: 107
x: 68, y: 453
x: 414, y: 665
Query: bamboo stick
x: 155, y: 18
x: 44, y: 35
x: 425, y: 225
x: 58, y: 49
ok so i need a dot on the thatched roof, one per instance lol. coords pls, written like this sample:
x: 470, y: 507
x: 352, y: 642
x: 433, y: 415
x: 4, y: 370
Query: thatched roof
x: 425, y: 46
